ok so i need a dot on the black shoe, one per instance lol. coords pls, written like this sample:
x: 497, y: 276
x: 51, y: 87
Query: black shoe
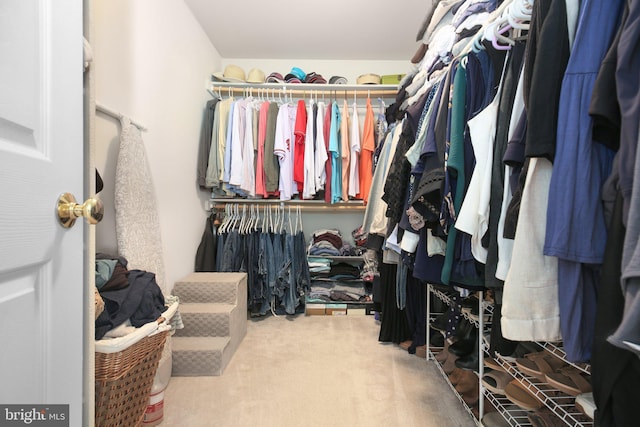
x: 466, y: 345
x: 471, y: 360
x: 470, y: 302
x: 436, y: 339
x: 440, y: 324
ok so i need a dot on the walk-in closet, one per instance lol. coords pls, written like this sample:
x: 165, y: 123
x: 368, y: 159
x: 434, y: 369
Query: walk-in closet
x: 362, y: 213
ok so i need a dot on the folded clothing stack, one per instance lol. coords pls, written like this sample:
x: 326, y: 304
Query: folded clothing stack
x: 340, y: 271
x: 319, y: 265
x: 326, y: 242
x: 359, y: 236
x: 324, y: 291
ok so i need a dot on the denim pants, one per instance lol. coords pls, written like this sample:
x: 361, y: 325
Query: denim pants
x: 288, y: 277
x: 231, y: 259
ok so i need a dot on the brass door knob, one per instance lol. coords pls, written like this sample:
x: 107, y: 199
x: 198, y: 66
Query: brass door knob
x: 68, y: 210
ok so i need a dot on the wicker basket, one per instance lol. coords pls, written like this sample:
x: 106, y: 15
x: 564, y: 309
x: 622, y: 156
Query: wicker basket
x: 124, y: 380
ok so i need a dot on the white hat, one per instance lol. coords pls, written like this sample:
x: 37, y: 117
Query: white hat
x: 256, y: 76
x: 232, y: 73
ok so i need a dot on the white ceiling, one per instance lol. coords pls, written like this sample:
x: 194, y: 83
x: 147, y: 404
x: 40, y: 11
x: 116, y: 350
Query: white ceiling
x: 322, y: 29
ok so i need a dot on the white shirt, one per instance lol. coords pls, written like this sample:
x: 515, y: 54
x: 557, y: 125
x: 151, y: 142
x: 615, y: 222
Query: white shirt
x: 309, y: 188
x: 354, y: 145
x: 321, y: 149
x: 283, y: 148
x: 237, y: 139
x: 248, y: 168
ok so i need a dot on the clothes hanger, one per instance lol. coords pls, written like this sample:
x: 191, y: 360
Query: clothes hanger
x: 281, y: 219
x: 250, y: 217
x: 225, y: 220
x: 256, y: 217
x: 275, y: 218
x: 222, y: 222
x: 234, y: 217
x: 493, y: 34
x: 241, y: 226
x: 299, y: 219
x: 289, y: 221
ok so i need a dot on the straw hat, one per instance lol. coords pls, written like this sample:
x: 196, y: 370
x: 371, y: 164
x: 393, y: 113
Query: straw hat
x: 255, y: 76
x: 368, y: 79
x: 232, y: 73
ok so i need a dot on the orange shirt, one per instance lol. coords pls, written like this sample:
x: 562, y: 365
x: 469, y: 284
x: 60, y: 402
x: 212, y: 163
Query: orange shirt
x: 366, y: 153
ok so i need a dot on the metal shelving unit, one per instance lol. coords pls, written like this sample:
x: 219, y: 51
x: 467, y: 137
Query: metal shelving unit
x: 478, y: 323
x: 556, y: 401
x: 431, y: 356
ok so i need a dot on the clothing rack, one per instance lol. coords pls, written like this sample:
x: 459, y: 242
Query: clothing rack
x: 303, y: 205
x: 304, y: 89
x: 117, y: 115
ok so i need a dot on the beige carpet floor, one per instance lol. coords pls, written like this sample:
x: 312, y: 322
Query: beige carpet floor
x: 316, y: 371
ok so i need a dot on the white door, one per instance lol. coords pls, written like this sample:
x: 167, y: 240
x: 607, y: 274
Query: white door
x: 41, y: 156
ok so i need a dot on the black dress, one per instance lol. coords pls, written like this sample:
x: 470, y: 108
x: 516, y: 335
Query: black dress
x: 394, y: 326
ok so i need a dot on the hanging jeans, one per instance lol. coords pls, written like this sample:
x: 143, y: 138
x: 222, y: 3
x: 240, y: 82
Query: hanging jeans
x: 278, y: 263
x: 232, y: 253
x: 287, y: 277
x: 302, y: 267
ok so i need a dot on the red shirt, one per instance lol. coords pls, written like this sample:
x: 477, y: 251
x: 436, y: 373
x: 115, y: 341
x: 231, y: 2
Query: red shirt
x: 300, y: 131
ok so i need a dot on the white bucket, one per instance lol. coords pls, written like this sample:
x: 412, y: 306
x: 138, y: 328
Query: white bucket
x: 155, y: 410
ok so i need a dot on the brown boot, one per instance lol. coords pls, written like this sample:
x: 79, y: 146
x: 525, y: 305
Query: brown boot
x: 450, y: 364
x: 454, y: 377
x: 442, y: 356
x: 472, y: 396
x: 467, y: 382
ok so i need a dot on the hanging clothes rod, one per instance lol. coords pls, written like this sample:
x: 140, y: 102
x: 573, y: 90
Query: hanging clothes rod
x: 304, y: 205
x: 308, y: 90
x: 117, y: 115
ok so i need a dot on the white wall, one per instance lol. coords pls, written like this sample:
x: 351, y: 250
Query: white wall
x: 327, y: 68
x: 152, y: 63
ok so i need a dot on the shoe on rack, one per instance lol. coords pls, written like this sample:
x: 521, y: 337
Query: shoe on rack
x: 539, y: 364
x: 467, y: 380
x: 421, y: 351
x: 472, y: 396
x: 520, y: 395
x: 454, y: 377
x: 450, y: 364
x: 469, y: 362
x: 569, y: 380
x: 440, y: 324
x: 521, y: 350
x: 469, y: 302
x: 490, y: 362
x: 586, y: 404
x: 495, y: 381
x: 441, y: 357
x: 473, y: 314
x: 494, y: 419
x: 436, y: 339
x: 467, y: 342
x: 545, y: 418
